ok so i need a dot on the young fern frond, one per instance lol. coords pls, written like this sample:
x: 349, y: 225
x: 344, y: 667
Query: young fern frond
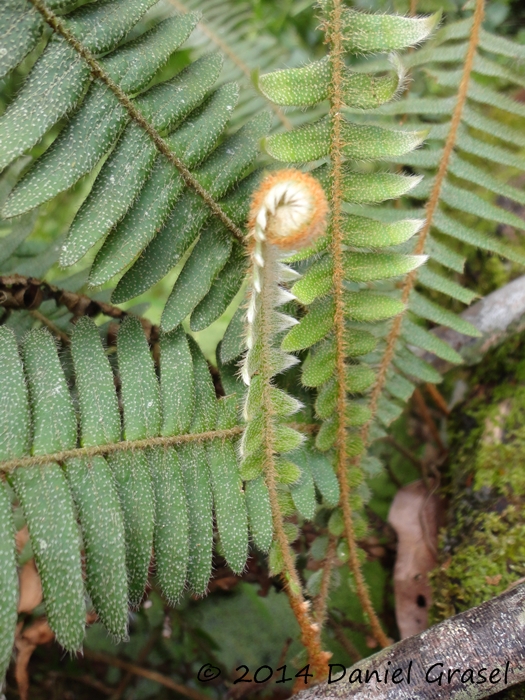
x: 288, y: 212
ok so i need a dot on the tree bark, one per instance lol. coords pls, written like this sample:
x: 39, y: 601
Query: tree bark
x: 490, y: 636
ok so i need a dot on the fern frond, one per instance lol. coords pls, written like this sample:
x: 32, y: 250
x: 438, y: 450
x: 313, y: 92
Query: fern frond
x: 131, y: 485
x: 163, y: 142
x: 333, y: 284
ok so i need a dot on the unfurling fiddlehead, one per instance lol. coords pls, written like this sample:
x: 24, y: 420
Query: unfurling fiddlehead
x: 288, y: 212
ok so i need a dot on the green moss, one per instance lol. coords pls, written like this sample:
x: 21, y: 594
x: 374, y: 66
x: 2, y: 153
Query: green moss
x: 489, y: 561
x: 483, y: 545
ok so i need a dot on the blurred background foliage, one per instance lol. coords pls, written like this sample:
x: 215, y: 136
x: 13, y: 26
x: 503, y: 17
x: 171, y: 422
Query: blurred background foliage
x: 241, y: 621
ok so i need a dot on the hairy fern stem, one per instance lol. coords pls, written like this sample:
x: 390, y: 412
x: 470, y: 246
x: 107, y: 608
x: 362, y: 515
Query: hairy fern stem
x: 98, y: 72
x: 336, y: 57
x: 123, y: 446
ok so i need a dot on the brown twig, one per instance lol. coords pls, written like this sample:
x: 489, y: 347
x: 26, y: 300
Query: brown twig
x: 49, y: 324
x: 343, y: 640
x: 160, y: 678
x: 422, y: 410
x: 437, y: 398
x: 405, y: 452
x: 321, y: 600
x: 142, y: 656
x: 28, y: 293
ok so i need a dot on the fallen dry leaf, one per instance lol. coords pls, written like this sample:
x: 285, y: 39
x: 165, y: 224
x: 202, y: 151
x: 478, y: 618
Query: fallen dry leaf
x: 414, y: 515
x: 30, y: 588
x: 37, y: 633
x: 493, y: 580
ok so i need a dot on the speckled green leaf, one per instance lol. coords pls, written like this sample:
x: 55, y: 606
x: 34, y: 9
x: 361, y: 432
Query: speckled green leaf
x: 176, y: 383
x: 114, y: 190
x: 137, y: 501
x: 78, y: 148
x: 319, y: 364
x: 359, y: 342
x: 204, y: 264
x: 44, y: 495
x: 326, y: 400
x: 53, y: 417
x: 217, y: 174
x: 327, y: 434
x: 14, y: 403
x: 357, y: 413
x: 140, y: 388
x: 371, y: 33
x: 433, y: 312
x: 171, y: 537
x: 421, y: 338
x: 222, y: 291
x: 98, y: 507
x: 388, y: 411
x: 399, y: 387
x: 166, y: 249
x: 198, y: 134
x: 229, y: 503
x: 165, y: 104
x: 365, y: 267
x: 286, y: 438
x: 48, y: 510
x: 433, y: 280
x: 303, y: 491
x: 140, y: 224
x: 376, y: 187
x: 205, y: 416
x: 233, y: 343
x: 197, y: 482
x: 60, y: 75
x: 312, y: 327
x: 358, y: 378
x: 414, y: 366
x: 8, y: 580
x: 324, y: 476
x: 310, y: 84
x: 361, y: 142
x: 363, y: 232
x: 367, y: 306
x: 259, y: 513
x: 20, y: 29
x: 52, y: 89
x: 316, y: 282
x: 136, y: 62
x: 97, y: 398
